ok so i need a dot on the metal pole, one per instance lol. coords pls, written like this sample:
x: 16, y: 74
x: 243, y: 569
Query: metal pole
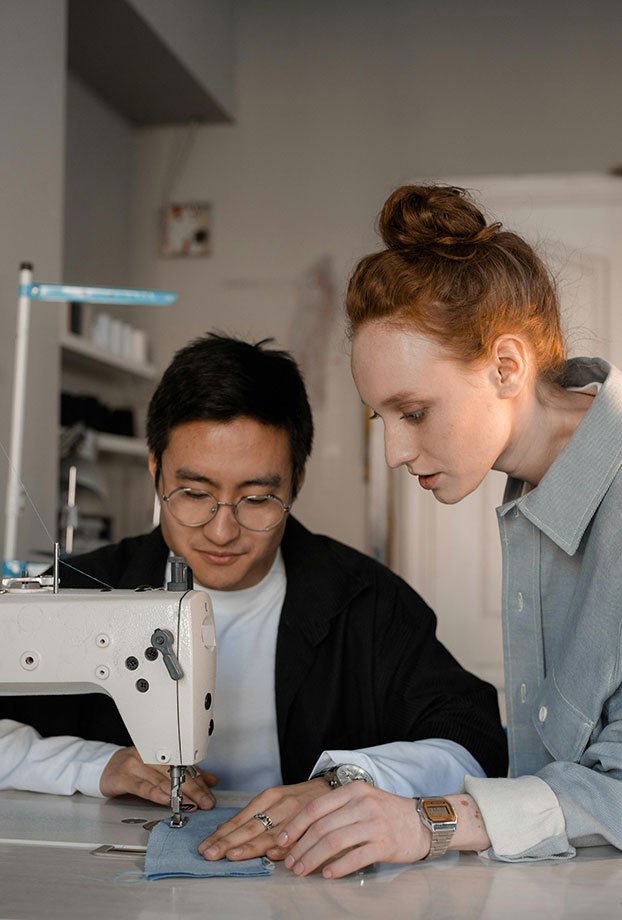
x: 18, y: 410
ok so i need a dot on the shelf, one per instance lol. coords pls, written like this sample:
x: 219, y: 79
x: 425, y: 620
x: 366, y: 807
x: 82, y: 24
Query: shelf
x: 79, y: 351
x: 118, y: 444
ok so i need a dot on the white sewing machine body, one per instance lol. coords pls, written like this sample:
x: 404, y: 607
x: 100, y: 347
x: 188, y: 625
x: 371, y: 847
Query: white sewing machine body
x: 85, y: 641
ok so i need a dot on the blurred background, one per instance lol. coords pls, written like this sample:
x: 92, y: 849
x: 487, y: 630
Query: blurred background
x: 237, y: 153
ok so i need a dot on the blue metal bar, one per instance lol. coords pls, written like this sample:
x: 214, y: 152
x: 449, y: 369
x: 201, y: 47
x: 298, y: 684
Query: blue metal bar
x: 84, y: 294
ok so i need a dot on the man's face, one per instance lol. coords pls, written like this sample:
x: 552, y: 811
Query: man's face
x: 230, y: 460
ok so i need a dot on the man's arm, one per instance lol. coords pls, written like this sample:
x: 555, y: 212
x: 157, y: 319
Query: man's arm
x: 60, y: 765
x: 63, y: 765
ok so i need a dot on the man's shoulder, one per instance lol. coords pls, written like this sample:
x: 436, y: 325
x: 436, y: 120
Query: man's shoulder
x: 309, y: 549
x: 116, y: 564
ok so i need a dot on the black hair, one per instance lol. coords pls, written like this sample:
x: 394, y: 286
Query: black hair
x: 219, y: 378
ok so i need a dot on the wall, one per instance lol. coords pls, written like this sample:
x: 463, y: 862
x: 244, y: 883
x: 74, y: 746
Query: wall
x: 201, y: 34
x: 337, y: 104
x: 32, y: 74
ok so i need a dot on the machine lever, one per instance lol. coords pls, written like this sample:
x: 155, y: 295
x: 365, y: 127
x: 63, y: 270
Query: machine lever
x: 162, y: 639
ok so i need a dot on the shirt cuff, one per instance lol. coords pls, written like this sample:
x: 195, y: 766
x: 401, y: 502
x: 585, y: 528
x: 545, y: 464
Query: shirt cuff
x: 90, y: 771
x: 435, y: 766
x: 523, y: 818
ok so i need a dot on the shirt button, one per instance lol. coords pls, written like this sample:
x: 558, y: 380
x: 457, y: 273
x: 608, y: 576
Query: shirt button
x: 543, y: 713
x: 519, y: 601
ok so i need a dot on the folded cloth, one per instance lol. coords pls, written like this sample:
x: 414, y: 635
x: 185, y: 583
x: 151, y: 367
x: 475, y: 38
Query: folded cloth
x: 173, y: 850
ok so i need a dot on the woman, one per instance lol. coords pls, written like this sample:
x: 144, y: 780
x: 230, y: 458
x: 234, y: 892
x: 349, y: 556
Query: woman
x: 457, y: 349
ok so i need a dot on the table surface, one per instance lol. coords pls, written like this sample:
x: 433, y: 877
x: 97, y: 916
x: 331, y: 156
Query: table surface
x: 47, y: 869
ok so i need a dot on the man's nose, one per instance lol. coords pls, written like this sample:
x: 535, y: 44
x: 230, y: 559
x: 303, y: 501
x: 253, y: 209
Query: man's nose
x: 223, y: 527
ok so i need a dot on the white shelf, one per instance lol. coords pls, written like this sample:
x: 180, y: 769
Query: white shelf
x: 118, y: 444
x: 79, y: 350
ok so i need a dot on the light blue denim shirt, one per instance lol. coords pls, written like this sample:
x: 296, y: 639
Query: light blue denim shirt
x: 562, y: 618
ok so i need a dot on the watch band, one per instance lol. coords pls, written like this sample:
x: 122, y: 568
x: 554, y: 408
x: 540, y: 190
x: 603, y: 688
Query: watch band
x: 438, y: 815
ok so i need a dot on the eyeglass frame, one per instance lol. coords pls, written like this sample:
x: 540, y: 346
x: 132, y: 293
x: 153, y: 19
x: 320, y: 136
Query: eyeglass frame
x: 233, y: 505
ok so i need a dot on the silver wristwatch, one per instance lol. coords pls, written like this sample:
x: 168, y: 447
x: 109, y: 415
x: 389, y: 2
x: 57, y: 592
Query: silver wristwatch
x: 439, y: 816
x: 345, y: 773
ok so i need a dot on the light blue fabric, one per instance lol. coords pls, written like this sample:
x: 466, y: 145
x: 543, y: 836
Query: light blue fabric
x: 172, y: 851
x: 562, y: 618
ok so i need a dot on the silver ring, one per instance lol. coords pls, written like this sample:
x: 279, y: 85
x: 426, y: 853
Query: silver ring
x: 265, y: 820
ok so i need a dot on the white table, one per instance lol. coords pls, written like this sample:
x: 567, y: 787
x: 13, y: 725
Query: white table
x: 47, y: 870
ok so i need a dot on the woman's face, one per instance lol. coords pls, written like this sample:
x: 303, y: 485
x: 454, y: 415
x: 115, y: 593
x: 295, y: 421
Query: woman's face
x: 445, y: 420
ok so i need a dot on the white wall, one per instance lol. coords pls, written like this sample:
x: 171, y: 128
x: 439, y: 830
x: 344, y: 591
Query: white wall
x: 201, y: 33
x: 100, y: 147
x: 337, y: 104
x: 32, y: 77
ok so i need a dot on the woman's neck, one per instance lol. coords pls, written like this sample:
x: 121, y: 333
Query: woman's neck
x: 544, y: 424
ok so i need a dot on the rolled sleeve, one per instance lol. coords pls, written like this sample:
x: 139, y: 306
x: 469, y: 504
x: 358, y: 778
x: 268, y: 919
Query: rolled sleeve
x: 523, y: 818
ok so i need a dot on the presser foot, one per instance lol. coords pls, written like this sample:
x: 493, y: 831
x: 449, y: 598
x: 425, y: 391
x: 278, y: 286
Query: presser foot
x: 178, y: 775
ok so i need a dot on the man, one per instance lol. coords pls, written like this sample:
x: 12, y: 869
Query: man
x: 324, y: 656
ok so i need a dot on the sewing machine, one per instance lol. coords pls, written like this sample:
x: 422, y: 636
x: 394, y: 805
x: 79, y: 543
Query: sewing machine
x: 152, y: 651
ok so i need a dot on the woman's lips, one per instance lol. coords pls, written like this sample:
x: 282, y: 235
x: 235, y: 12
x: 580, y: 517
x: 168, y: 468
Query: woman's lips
x: 428, y: 482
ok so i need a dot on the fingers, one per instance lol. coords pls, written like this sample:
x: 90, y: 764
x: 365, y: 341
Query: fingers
x: 126, y: 773
x: 197, y: 790
x: 245, y: 835
x: 352, y: 827
x: 248, y: 840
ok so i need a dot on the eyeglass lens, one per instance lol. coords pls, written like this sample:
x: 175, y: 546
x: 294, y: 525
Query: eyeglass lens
x: 194, y: 507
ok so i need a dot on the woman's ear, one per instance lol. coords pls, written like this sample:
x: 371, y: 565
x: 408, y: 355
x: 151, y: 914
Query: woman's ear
x: 510, y: 357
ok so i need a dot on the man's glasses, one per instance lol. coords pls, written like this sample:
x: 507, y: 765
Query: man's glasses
x: 195, y: 508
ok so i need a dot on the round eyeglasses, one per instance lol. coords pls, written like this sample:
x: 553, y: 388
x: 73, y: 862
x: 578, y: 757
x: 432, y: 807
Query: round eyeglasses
x: 195, y: 508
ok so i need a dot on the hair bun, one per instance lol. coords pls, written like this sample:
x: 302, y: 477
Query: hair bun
x: 438, y: 218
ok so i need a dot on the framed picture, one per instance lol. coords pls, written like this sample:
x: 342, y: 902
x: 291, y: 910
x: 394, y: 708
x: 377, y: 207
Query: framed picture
x: 186, y: 229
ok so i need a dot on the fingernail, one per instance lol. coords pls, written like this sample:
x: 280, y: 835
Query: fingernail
x: 289, y: 861
x: 234, y: 853
x: 299, y: 868
x: 327, y: 873
x: 213, y: 851
x: 282, y: 839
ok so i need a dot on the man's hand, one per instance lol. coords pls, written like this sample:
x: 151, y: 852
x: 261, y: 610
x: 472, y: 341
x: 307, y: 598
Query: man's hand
x: 125, y: 773
x: 245, y: 836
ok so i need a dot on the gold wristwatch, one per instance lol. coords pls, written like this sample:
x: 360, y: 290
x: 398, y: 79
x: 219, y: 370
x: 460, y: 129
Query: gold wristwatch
x: 439, y: 816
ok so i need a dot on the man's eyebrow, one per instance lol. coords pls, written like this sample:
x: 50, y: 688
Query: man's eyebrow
x: 271, y: 481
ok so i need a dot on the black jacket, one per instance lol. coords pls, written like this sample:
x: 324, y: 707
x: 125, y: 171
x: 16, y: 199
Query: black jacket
x: 357, y: 659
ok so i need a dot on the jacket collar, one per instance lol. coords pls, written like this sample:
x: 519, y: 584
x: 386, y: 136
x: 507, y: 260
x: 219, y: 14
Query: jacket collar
x: 564, y: 502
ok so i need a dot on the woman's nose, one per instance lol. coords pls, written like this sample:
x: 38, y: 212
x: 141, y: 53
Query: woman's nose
x: 398, y: 449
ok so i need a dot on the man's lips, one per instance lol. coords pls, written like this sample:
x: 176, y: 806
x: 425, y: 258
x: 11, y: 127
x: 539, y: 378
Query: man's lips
x: 219, y: 558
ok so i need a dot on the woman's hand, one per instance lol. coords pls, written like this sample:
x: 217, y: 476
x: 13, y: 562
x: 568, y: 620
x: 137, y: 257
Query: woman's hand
x: 245, y: 836
x: 352, y: 827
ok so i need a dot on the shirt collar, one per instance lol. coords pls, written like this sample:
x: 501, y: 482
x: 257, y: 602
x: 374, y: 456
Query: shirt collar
x: 564, y: 502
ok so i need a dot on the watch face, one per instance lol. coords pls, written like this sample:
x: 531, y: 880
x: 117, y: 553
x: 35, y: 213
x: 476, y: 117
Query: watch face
x: 347, y: 773
x: 438, y: 810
